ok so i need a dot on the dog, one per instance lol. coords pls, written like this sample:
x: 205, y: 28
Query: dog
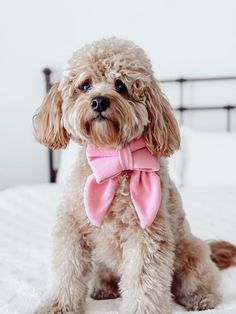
x: 109, y: 100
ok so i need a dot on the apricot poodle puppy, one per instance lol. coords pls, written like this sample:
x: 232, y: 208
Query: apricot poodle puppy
x: 121, y: 224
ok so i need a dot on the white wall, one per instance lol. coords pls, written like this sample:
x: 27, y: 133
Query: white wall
x: 184, y: 37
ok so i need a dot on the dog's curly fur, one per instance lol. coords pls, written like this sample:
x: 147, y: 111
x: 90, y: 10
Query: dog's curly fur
x: 149, y: 266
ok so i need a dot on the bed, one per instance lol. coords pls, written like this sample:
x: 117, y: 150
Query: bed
x: 27, y: 216
x: 26, y: 220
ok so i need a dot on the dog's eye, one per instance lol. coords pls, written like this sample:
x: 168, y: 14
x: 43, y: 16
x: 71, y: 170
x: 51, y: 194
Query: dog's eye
x: 85, y: 87
x: 120, y: 87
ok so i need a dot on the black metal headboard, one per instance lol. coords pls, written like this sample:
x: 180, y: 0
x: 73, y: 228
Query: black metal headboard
x: 227, y: 108
x: 52, y: 171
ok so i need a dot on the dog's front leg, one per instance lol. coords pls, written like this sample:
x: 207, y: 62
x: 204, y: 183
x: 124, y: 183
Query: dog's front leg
x: 71, y: 270
x: 147, y: 274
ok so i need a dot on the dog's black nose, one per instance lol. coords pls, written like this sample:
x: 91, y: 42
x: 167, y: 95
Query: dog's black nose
x: 100, y: 103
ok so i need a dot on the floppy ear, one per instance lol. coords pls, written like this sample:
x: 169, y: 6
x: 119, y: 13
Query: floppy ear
x: 48, y: 129
x: 162, y: 134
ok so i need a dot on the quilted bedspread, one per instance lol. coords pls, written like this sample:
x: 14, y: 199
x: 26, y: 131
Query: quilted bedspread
x: 26, y: 220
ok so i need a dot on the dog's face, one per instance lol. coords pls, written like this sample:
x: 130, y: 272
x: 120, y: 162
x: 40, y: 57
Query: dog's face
x: 108, y: 96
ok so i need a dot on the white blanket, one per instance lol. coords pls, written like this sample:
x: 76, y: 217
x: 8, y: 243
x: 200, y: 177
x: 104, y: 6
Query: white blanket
x: 26, y: 219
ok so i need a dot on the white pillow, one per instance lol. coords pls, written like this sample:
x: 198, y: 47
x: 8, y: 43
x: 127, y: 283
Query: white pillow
x: 209, y: 159
x: 68, y: 157
x: 176, y: 167
x: 176, y: 161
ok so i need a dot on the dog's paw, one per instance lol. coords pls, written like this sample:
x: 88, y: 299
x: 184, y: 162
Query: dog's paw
x: 199, y: 302
x: 53, y: 307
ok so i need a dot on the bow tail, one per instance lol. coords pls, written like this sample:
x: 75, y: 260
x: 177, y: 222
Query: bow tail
x: 98, y: 198
x: 145, y: 191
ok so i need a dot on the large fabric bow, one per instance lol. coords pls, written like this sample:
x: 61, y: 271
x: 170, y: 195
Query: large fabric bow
x: 107, y: 165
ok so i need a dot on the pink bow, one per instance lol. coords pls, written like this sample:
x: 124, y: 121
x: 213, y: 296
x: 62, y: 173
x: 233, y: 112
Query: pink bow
x: 107, y: 165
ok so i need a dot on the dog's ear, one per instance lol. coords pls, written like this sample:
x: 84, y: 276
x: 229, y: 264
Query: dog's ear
x: 48, y: 129
x: 162, y: 134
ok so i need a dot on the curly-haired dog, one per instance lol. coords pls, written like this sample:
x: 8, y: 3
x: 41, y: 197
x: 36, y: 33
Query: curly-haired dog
x: 108, y: 98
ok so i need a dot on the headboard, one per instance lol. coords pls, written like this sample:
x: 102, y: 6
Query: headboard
x: 226, y: 108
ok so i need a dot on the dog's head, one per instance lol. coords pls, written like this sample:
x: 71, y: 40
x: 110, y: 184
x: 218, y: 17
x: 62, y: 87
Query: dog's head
x: 107, y: 96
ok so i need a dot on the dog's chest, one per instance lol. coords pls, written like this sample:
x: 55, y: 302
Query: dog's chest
x: 115, y: 230
x: 121, y: 213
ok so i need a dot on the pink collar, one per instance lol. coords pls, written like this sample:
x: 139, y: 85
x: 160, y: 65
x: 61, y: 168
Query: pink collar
x: 107, y: 165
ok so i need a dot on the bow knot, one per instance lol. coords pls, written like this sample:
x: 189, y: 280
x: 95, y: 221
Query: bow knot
x: 126, y: 158
x: 107, y: 165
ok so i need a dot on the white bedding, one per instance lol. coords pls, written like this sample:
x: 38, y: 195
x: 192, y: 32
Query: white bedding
x: 26, y: 219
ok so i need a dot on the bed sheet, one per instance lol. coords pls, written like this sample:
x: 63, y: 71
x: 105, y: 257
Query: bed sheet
x: 26, y: 220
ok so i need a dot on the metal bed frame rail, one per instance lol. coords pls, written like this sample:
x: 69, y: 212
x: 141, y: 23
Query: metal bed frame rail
x: 181, y: 81
x: 181, y: 108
